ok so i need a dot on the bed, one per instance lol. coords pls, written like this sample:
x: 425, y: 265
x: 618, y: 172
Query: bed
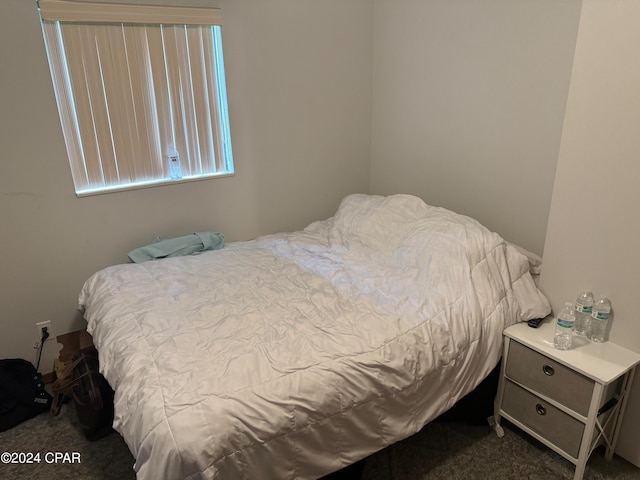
x: 293, y: 355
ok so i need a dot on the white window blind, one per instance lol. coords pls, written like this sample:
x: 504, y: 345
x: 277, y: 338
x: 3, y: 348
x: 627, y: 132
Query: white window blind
x: 133, y: 81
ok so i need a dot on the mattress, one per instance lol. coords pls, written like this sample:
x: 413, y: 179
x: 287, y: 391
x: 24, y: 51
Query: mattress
x: 296, y: 354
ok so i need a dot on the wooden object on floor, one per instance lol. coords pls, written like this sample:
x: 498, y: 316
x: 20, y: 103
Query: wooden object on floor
x: 72, y: 343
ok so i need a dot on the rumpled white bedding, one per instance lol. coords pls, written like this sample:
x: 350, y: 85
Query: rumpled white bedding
x: 293, y: 355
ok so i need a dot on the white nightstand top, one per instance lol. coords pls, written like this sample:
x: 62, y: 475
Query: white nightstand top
x: 603, y: 362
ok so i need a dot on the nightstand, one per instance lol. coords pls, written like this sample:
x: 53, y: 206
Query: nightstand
x: 572, y: 401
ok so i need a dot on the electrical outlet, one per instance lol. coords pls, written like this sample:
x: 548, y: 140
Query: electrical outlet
x: 39, y: 326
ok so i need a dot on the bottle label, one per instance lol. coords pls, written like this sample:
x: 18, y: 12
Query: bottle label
x: 565, y: 323
x: 600, y: 315
x: 583, y: 308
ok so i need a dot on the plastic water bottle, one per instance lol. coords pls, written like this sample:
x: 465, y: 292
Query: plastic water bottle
x: 175, y: 171
x: 564, y: 327
x: 599, y: 319
x: 584, y: 305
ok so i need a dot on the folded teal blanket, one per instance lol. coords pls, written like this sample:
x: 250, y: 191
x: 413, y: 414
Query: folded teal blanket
x: 178, y: 247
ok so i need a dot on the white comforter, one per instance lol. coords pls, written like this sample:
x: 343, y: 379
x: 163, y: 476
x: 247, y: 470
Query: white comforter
x: 293, y: 355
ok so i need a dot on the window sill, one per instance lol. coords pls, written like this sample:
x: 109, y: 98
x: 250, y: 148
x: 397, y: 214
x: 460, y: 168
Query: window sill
x: 149, y: 184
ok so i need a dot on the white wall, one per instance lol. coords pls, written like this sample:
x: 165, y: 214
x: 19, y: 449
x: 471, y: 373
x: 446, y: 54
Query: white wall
x: 468, y: 102
x: 300, y: 110
x: 594, y: 224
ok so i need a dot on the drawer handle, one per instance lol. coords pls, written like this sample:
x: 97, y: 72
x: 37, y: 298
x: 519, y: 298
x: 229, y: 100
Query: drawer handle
x: 540, y: 410
x: 548, y: 370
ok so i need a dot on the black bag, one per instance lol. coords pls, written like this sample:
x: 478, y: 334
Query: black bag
x: 22, y: 393
x: 90, y: 391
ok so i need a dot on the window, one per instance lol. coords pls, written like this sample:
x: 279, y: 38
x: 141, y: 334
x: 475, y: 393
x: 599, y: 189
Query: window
x: 136, y: 84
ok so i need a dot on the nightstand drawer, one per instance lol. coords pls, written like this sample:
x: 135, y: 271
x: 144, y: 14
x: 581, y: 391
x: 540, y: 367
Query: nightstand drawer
x: 559, y: 428
x: 549, y: 378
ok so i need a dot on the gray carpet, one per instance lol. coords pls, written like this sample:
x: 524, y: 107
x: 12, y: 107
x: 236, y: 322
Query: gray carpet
x: 442, y: 450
